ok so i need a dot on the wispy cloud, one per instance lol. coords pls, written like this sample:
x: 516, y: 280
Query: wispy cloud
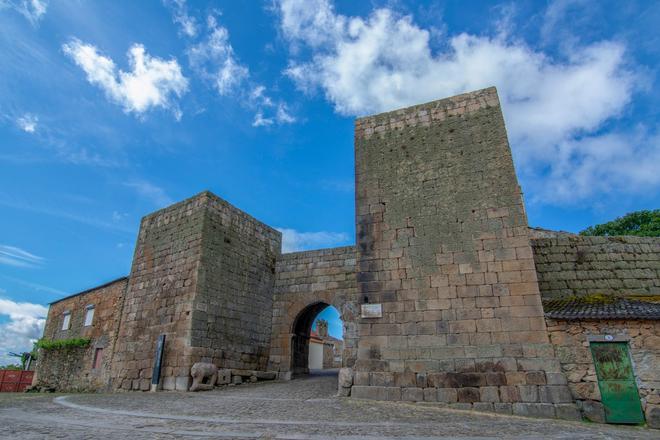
x: 17, y: 257
x: 293, y: 240
x: 35, y: 208
x: 34, y: 286
x: 151, y: 82
x: 187, y: 23
x: 23, y: 326
x: 213, y: 58
x: 32, y: 10
x: 27, y: 122
x: 148, y: 190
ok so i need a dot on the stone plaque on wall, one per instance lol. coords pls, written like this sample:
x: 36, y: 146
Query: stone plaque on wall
x: 372, y: 310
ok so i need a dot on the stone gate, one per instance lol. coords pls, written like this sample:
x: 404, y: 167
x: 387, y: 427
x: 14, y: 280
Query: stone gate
x: 444, y: 263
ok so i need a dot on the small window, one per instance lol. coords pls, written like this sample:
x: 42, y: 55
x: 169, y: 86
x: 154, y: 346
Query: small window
x: 66, y: 320
x: 98, y: 358
x: 89, y: 315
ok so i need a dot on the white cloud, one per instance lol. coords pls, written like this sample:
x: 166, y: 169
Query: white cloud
x: 260, y: 121
x: 17, y: 257
x: 152, y: 81
x: 293, y: 241
x: 180, y: 16
x: 24, y: 326
x: 27, y: 122
x: 154, y: 193
x: 214, y: 59
x: 385, y: 61
x: 32, y: 10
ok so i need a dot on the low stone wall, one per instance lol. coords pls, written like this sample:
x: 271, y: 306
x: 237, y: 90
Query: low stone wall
x: 577, y: 265
x: 70, y: 369
x: 572, y: 348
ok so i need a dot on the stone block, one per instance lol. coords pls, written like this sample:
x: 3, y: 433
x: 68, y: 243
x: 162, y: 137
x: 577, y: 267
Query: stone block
x: 535, y: 378
x: 447, y: 395
x: 567, y: 411
x: 376, y: 393
x: 496, y: 379
x: 361, y: 378
x: 556, y: 378
x: 509, y: 394
x: 169, y: 383
x: 264, y: 375
x: 430, y: 395
x: 182, y: 383
x: 592, y: 410
x: 381, y: 379
x: 237, y: 380
x: 653, y: 416
x: 405, y: 379
x: 534, y: 409
x: 489, y: 394
x: 483, y: 406
x: 463, y: 406
x: 412, y: 394
x: 224, y: 376
x: 585, y: 391
x: 529, y: 393
x: 555, y: 394
x: 468, y: 395
x: 503, y: 408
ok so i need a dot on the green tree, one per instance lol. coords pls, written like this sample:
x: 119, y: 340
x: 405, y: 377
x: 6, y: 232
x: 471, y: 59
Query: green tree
x: 640, y: 223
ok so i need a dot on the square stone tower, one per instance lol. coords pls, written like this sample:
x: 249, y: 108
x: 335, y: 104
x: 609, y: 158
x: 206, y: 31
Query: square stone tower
x: 443, y: 246
x: 203, y: 275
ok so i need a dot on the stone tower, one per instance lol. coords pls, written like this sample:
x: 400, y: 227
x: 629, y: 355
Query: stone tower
x: 443, y: 246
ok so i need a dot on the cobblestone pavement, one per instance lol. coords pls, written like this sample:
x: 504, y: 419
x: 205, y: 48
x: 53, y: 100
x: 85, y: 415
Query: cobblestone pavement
x: 300, y: 409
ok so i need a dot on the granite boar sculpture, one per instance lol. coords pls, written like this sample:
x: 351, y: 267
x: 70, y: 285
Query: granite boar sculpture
x: 204, y: 376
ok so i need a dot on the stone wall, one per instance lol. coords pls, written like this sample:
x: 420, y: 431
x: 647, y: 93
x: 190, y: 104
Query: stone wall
x: 72, y: 369
x: 305, y: 283
x: 572, y: 347
x: 232, y: 314
x: 159, y: 298
x: 578, y: 266
x: 443, y: 245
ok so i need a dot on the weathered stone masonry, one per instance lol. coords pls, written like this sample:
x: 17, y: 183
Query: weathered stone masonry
x: 442, y: 244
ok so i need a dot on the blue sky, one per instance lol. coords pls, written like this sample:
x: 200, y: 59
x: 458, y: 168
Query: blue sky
x: 112, y: 109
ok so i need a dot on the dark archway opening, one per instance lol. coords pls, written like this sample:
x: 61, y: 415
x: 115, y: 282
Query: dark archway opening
x: 313, y: 347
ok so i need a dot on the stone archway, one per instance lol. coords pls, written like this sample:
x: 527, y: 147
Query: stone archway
x: 306, y: 284
x: 300, y: 332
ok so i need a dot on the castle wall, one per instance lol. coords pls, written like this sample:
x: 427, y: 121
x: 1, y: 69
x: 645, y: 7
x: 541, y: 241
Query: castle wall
x: 232, y: 313
x: 443, y: 245
x: 304, y: 279
x: 73, y: 369
x: 159, y: 298
x: 578, y: 266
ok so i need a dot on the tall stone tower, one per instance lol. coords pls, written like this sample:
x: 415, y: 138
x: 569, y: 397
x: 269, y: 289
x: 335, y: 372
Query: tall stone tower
x: 443, y: 247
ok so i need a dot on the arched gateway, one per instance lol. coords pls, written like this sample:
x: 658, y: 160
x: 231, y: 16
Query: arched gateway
x: 306, y: 283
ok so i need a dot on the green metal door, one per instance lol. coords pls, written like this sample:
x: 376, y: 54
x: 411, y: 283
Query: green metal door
x: 617, y: 382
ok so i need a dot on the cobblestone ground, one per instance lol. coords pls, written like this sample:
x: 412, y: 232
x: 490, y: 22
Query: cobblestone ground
x: 300, y: 409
